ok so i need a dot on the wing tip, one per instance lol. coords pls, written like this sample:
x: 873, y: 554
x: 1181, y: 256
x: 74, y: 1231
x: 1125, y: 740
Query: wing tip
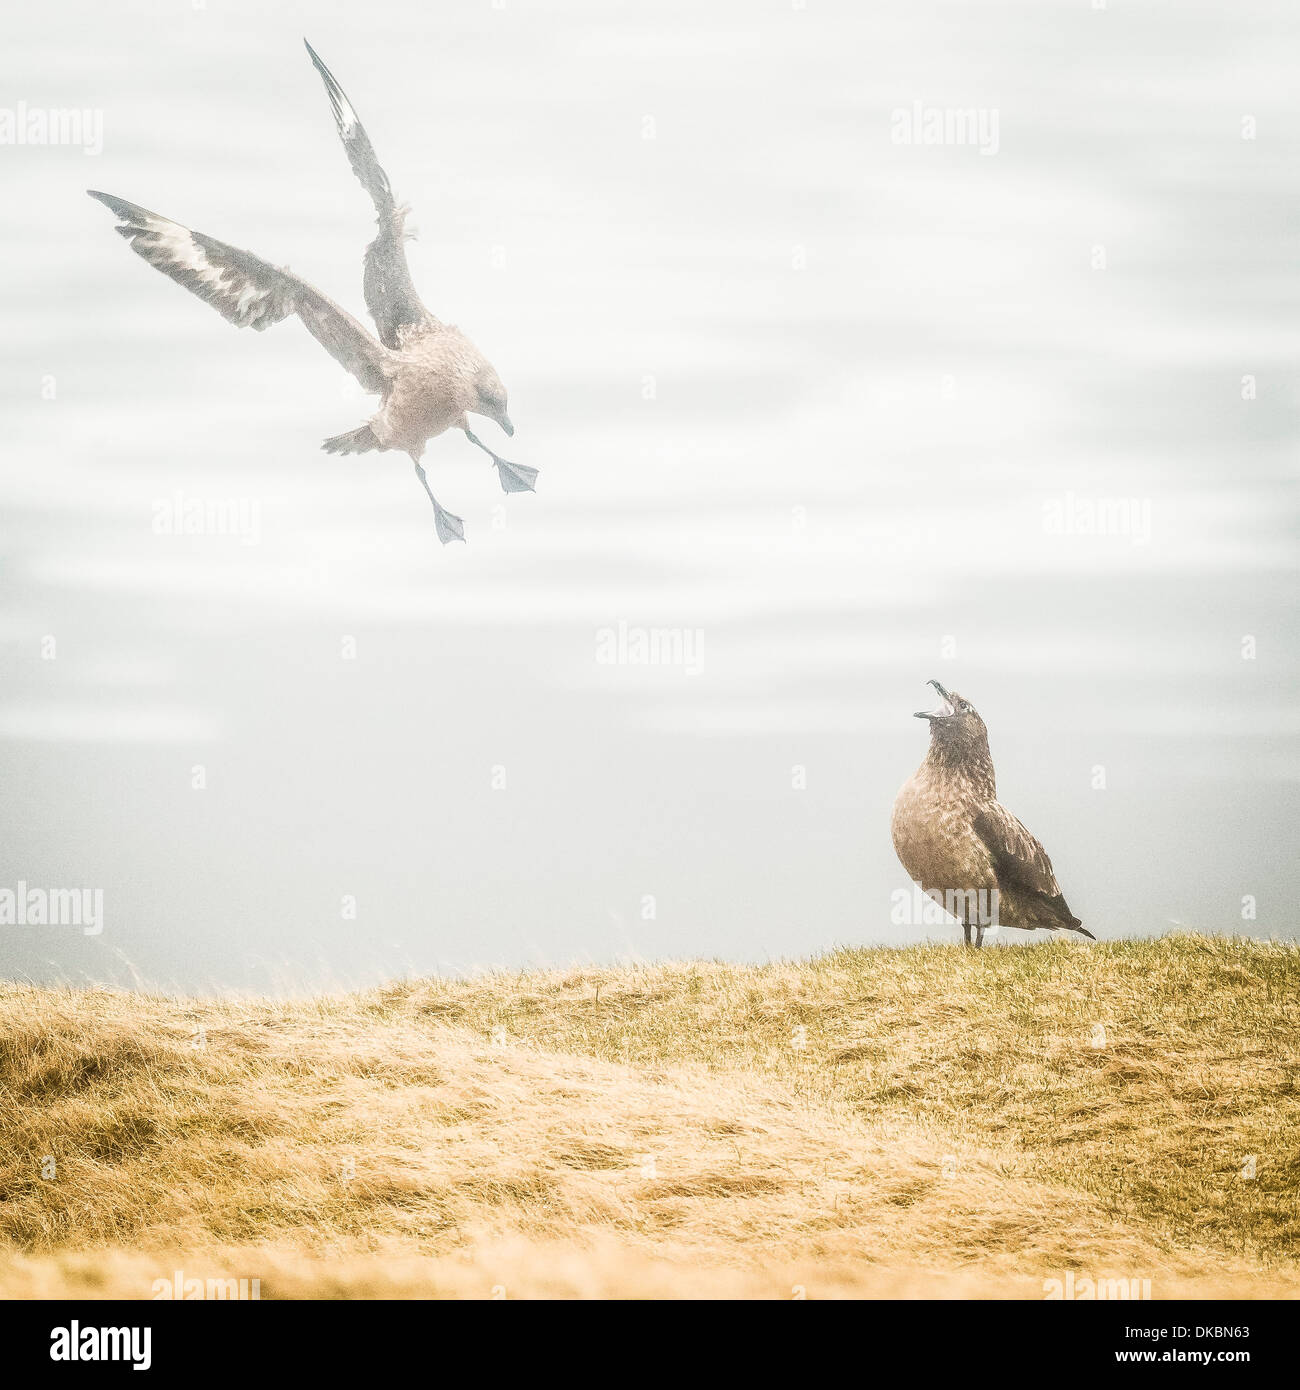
x: 344, y: 116
x: 318, y: 63
x: 119, y: 207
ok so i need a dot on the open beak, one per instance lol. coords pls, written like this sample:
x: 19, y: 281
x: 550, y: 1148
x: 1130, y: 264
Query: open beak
x: 945, y: 709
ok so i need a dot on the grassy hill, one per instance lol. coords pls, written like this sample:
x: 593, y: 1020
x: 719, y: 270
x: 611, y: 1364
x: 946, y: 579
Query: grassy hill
x: 927, y: 1121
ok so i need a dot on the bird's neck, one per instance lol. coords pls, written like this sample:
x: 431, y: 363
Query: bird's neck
x: 967, y: 769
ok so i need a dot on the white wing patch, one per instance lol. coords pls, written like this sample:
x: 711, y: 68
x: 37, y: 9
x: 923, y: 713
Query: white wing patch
x: 249, y: 294
x: 247, y: 291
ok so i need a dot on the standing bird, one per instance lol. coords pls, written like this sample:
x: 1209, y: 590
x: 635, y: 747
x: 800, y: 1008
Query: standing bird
x: 429, y: 375
x: 964, y: 848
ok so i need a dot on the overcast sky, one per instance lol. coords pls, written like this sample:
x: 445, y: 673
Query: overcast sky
x: 828, y: 407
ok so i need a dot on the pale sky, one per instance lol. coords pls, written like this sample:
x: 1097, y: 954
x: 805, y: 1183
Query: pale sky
x: 834, y: 411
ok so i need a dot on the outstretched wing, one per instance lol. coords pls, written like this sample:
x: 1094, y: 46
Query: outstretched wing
x: 1022, y: 866
x: 390, y: 295
x: 247, y: 291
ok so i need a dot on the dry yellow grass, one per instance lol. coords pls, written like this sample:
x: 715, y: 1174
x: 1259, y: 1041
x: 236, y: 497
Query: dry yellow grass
x: 921, y: 1122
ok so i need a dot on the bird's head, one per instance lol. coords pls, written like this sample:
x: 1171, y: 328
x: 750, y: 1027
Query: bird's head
x: 955, y: 725
x: 490, y: 397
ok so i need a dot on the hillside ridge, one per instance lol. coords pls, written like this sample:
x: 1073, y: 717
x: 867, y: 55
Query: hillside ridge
x: 923, y: 1121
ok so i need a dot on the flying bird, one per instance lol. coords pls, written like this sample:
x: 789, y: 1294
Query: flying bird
x: 958, y: 841
x: 429, y: 376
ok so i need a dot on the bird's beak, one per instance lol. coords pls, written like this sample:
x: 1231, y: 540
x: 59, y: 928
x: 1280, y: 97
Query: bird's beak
x: 945, y: 710
x: 505, y: 424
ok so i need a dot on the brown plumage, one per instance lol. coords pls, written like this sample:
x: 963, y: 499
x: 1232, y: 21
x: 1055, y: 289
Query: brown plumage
x: 964, y: 848
x: 429, y: 375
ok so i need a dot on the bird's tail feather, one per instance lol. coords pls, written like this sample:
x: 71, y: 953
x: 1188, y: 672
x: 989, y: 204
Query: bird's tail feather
x: 358, y: 441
